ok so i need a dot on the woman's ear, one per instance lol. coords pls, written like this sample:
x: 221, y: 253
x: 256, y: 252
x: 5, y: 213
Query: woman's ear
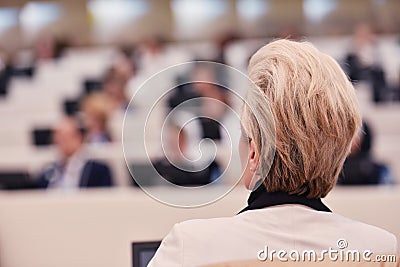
x: 254, y: 157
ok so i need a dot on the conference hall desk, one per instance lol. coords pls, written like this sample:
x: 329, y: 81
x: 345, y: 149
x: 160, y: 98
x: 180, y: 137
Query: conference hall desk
x: 96, y: 227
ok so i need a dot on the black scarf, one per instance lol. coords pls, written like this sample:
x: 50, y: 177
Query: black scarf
x: 260, y: 198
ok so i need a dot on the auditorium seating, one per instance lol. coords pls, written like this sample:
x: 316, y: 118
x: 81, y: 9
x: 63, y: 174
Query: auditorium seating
x: 38, y: 102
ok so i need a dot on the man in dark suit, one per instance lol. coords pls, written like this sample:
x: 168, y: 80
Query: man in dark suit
x: 360, y: 168
x: 177, y: 169
x: 75, y: 169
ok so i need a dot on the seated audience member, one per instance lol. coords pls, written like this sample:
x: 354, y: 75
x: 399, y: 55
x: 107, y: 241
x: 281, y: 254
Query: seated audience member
x: 214, y: 101
x: 5, y: 73
x: 223, y: 43
x: 45, y: 47
x: 48, y: 47
x: 359, y: 167
x: 96, y: 108
x: 208, y: 83
x: 316, y: 115
x: 176, y: 166
x: 182, y: 93
x: 74, y: 169
x: 152, y: 54
x: 124, y: 67
x: 114, y: 86
x: 213, y: 108
x: 363, y: 61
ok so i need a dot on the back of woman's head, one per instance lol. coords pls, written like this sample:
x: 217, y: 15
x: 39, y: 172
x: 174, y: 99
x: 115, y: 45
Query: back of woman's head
x: 315, y: 112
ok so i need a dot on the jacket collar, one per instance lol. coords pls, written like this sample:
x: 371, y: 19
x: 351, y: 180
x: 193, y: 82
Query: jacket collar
x: 260, y: 199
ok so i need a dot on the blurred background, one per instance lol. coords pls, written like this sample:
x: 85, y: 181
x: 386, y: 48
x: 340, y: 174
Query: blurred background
x: 68, y: 70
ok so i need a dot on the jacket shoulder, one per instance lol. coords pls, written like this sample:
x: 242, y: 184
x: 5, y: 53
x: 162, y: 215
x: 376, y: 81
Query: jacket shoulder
x: 96, y: 173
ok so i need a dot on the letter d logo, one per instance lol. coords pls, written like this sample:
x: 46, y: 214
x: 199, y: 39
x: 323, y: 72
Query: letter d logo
x: 262, y: 255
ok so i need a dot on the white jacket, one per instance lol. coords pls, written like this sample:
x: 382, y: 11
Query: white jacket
x: 283, y: 227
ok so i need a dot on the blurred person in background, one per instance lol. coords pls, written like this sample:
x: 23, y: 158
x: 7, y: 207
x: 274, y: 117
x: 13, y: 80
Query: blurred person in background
x: 396, y: 88
x: 114, y: 86
x: 177, y: 167
x: 214, y: 102
x: 74, y: 169
x: 181, y: 93
x: 363, y: 61
x: 359, y: 167
x: 222, y: 44
x: 5, y: 72
x: 209, y: 84
x: 48, y: 47
x: 209, y: 98
x: 154, y: 55
x: 126, y: 65
x: 212, y: 110
x: 152, y: 52
x: 96, y: 108
x: 45, y: 48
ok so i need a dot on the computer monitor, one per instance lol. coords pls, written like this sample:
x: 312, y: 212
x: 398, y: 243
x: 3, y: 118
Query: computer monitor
x: 91, y: 86
x: 42, y: 137
x: 146, y: 174
x: 71, y: 107
x: 15, y: 179
x: 143, y: 252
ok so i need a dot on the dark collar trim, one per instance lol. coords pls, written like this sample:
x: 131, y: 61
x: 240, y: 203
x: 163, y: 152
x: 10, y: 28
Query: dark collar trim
x: 260, y: 199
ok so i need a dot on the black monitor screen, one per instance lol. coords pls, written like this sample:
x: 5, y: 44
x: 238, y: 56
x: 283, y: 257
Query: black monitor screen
x: 12, y: 180
x: 42, y: 137
x: 143, y: 252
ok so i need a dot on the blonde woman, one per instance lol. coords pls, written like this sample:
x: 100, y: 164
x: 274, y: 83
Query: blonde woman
x: 97, y: 109
x: 316, y: 116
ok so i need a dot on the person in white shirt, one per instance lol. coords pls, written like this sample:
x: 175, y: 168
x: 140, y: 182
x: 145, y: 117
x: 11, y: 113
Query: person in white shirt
x: 298, y: 123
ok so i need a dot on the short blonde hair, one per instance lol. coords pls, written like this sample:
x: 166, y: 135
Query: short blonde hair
x: 315, y: 112
x: 97, y: 105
